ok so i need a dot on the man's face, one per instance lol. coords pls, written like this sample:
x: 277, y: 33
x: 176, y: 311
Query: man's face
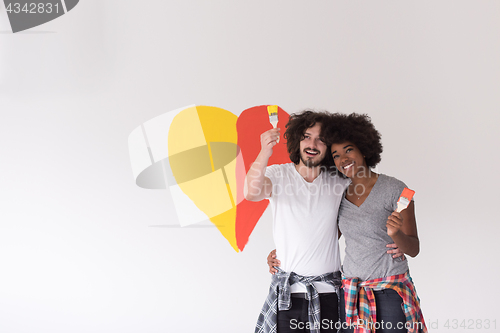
x: 312, y: 148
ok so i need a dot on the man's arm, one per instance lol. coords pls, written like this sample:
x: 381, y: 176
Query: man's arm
x: 273, y: 262
x: 257, y: 186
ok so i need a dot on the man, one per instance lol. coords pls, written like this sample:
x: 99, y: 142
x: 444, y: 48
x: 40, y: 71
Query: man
x: 305, y: 199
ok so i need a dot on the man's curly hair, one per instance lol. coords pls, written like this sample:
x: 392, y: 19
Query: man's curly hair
x: 296, y: 127
x: 357, y: 129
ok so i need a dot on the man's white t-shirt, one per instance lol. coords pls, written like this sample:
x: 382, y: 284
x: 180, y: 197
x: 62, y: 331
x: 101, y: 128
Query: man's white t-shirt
x: 305, y: 222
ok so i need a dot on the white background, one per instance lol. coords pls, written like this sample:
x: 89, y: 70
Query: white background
x: 83, y: 249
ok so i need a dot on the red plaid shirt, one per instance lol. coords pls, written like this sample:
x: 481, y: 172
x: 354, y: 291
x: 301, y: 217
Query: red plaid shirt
x: 364, y: 318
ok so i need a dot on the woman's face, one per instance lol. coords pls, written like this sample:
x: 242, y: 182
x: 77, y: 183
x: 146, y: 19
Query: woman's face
x: 349, y: 160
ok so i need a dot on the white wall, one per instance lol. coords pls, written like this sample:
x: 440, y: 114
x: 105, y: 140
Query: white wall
x: 80, y: 250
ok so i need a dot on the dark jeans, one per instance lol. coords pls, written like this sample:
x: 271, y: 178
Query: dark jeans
x: 390, y: 315
x: 296, y: 320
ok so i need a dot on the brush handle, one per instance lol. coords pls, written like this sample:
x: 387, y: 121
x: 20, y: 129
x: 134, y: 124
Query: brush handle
x: 275, y: 124
x: 402, y: 204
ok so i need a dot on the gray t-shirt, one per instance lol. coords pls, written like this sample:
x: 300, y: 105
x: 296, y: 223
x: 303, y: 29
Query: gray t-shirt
x: 365, y: 232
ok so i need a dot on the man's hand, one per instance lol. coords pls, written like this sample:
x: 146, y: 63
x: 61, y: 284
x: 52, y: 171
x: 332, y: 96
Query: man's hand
x: 268, y: 141
x: 396, y: 252
x: 272, y: 262
x: 257, y: 186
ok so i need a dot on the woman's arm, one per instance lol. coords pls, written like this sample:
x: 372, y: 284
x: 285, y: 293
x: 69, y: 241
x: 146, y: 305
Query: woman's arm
x: 402, y: 228
x: 272, y: 262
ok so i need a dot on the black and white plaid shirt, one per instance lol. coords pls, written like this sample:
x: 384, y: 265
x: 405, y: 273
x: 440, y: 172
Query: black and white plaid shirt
x: 279, y: 299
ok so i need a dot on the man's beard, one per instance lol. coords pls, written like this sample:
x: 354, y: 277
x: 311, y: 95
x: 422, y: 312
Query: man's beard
x: 309, y: 162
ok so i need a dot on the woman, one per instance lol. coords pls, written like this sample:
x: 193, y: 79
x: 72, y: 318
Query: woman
x: 378, y: 293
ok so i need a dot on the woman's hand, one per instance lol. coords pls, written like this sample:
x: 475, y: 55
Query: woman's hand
x: 396, y: 251
x: 402, y: 228
x: 394, y: 224
x: 272, y: 262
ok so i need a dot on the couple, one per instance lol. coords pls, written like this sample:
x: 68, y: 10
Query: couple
x: 330, y: 175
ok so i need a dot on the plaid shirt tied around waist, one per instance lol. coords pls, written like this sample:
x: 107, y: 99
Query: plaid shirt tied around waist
x: 279, y: 298
x: 366, y: 315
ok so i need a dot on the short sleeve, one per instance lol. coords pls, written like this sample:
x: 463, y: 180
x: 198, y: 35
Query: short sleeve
x: 396, y: 188
x: 274, y: 173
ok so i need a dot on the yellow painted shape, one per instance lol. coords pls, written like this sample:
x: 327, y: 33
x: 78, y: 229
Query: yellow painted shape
x: 231, y: 197
x: 225, y: 222
x: 214, y: 193
x: 218, y: 125
x: 230, y: 170
x: 209, y: 193
x: 185, y: 132
x: 211, y: 156
x: 223, y: 153
x: 190, y: 164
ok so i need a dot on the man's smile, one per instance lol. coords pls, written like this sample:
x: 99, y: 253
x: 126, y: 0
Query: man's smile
x: 311, y: 152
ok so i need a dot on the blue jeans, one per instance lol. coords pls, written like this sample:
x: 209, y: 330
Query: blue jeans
x: 390, y: 315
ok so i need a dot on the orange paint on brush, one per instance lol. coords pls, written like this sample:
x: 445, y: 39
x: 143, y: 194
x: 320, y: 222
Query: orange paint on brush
x: 404, y: 199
